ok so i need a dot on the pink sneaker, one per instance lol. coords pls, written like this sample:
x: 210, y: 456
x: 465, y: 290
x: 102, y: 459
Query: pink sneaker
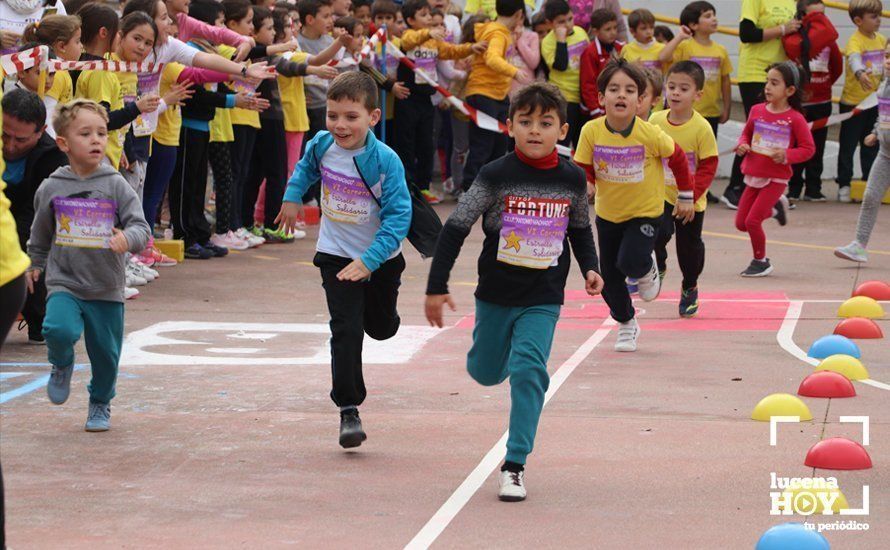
x: 159, y: 258
x: 228, y: 240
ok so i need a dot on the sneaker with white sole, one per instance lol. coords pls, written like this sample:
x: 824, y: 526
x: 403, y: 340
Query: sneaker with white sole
x: 58, y: 387
x: 229, y: 241
x: 758, y: 268
x: 780, y: 210
x: 130, y: 293
x: 627, y: 336
x: 133, y: 278
x: 140, y: 270
x: 843, y: 194
x: 649, y: 284
x: 98, y: 417
x: 252, y: 240
x: 511, y: 486
x: 854, y: 252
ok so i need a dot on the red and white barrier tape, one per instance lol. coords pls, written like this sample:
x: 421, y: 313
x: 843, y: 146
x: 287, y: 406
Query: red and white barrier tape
x: 39, y: 57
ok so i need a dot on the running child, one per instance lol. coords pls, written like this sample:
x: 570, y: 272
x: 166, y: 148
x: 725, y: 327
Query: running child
x: 367, y: 213
x: 532, y: 204
x: 775, y: 137
x: 86, y: 218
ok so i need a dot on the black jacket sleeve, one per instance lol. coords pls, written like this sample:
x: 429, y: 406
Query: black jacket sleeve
x: 205, y: 98
x: 581, y: 240
x: 120, y: 118
x: 749, y: 33
x: 561, y: 60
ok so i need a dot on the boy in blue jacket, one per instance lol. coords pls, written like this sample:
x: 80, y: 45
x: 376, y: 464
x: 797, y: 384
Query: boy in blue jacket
x: 366, y: 211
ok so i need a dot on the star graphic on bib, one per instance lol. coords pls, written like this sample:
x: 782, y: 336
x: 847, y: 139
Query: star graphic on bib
x: 603, y: 165
x: 65, y: 223
x: 513, y: 241
x: 327, y: 193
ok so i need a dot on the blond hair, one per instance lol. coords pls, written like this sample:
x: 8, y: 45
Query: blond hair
x: 66, y: 113
x: 858, y: 8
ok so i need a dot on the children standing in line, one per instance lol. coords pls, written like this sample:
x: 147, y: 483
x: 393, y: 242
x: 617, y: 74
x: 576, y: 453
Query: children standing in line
x: 603, y: 47
x: 86, y: 218
x: 367, y: 213
x: 623, y: 159
x: 644, y: 49
x: 689, y: 130
x: 561, y: 50
x: 775, y: 137
x: 533, y: 204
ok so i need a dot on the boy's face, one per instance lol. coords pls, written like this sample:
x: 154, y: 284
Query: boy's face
x: 621, y: 97
x: 541, y: 29
x: 608, y: 32
x: 349, y: 121
x: 323, y: 21
x: 707, y: 23
x: 363, y: 14
x: 567, y: 21
x: 341, y: 7
x: 536, y: 133
x: 682, y: 92
x: 243, y: 26
x: 385, y: 19
x: 647, y: 100
x: 868, y: 23
x: 644, y: 33
x: 265, y: 35
x: 85, y: 139
x: 421, y: 20
x: 438, y: 23
x: 30, y: 79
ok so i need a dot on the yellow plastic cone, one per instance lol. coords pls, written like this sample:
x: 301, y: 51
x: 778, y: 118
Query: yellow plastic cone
x: 781, y: 404
x: 861, y: 306
x: 847, y: 365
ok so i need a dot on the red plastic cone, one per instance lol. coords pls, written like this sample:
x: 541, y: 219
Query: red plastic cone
x: 858, y: 328
x: 876, y: 290
x: 826, y: 384
x: 838, y: 453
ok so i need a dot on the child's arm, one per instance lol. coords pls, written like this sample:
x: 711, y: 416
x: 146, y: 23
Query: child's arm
x: 744, y: 143
x: 854, y: 58
x: 42, y: 230
x: 395, y: 215
x: 705, y: 171
x: 561, y: 53
x: 726, y: 89
x: 835, y: 63
x: 667, y: 54
x: 129, y: 211
x: 589, y: 73
x: 579, y: 232
x: 494, y: 57
x: 679, y: 165
x: 341, y: 40
x: 529, y: 49
x: 190, y: 27
x: 447, y: 69
x: 455, y: 51
x: 805, y: 147
x: 289, y: 68
x: 413, y: 38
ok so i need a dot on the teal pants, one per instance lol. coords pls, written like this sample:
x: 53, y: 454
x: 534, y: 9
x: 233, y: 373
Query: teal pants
x: 102, y: 326
x: 515, y: 342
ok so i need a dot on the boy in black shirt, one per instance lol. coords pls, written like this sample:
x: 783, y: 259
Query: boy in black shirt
x: 533, y: 204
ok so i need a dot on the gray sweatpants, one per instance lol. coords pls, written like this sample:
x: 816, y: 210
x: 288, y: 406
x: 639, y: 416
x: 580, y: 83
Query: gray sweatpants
x: 878, y: 183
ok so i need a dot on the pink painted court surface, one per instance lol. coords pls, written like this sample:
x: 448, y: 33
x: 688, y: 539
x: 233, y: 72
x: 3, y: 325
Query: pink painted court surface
x: 223, y: 435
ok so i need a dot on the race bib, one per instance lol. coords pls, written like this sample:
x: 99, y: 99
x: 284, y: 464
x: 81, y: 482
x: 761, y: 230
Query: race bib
x: 533, y: 232
x: 653, y: 64
x: 84, y: 223
x: 619, y: 164
x: 769, y: 136
x: 345, y: 199
x: 884, y: 113
x: 425, y: 59
x: 819, y: 64
x: 575, y: 51
x: 146, y: 123
x: 669, y: 178
x: 874, y: 62
x: 711, y: 67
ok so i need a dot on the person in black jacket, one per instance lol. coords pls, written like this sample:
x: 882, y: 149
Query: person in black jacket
x: 30, y: 156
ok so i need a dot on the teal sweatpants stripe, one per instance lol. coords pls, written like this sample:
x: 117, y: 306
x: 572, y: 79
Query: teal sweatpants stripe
x: 515, y: 342
x: 102, y: 326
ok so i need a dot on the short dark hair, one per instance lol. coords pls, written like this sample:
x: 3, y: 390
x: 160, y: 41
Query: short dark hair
x: 205, y: 10
x: 506, y: 8
x: 359, y: 3
x: 615, y: 66
x: 411, y: 7
x: 555, y: 8
x: 279, y: 18
x: 308, y: 8
x: 694, y: 10
x: 690, y: 68
x: 148, y: 6
x: 664, y: 32
x: 25, y: 106
x: 384, y: 7
x: 347, y: 22
x: 235, y: 10
x: 602, y: 16
x: 542, y: 97
x: 260, y: 14
x: 94, y: 17
x: 640, y: 17
x: 355, y: 86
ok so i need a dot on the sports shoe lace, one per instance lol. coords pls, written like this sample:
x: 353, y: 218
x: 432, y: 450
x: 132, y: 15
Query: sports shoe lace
x: 516, y: 478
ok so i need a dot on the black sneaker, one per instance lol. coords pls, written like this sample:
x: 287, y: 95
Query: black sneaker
x: 730, y: 199
x: 814, y: 197
x: 780, y: 210
x: 35, y: 336
x: 712, y: 199
x: 215, y: 251
x: 689, y: 302
x: 758, y: 268
x: 351, y: 432
x: 198, y: 252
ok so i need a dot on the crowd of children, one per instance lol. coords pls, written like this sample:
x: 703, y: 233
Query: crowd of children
x: 250, y: 92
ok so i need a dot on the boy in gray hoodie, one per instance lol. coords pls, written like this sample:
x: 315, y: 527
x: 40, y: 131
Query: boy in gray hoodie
x: 86, y: 217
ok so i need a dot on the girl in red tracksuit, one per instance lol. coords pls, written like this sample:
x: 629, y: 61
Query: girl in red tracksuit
x: 775, y: 137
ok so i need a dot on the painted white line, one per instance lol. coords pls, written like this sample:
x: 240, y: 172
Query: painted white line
x: 785, y: 337
x: 444, y: 515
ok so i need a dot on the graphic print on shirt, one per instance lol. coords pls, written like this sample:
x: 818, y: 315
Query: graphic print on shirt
x: 669, y: 178
x: 874, y: 62
x: 425, y: 59
x: 884, y: 113
x: 575, y: 51
x: 710, y: 65
x: 344, y: 199
x: 769, y: 136
x: 619, y: 164
x: 533, y: 231
x: 84, y: 222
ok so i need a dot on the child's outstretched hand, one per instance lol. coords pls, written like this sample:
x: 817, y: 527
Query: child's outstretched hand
x: 355, y: 271
x: 324, y: 71
x: 31, y: 277
x: 118, y: 242
x: 593, y: 283
x: 480, y: 47
x: 288, y: 216
x: 243, y: 50
x: 742, y: 149
x: 865, y: 81
x: 684, y: 211
x: 433, y: 308
x: 148, y: 103
x: 685, y: 33
x: 341, y: 36
x: 178, y: 93
x: 778, y: 156
x: 871, y: 140
x: 437, y: 34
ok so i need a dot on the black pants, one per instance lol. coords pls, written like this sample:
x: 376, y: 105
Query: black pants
x: 223, y: 183
x: 414, y: 140
x: 12, y: 296
x: 242, y: 153
x: 690, y: 246
x: 853, y: 134
x: 188, y: 188
x: 357, y: 308
x: 814, y: 166
x: 485, y: 146
x: 575, y: 119
x: 752, y: 93
x: 625, y: 251
x: 269, y: 162
x: 34, y: 309
x: 714, y: 121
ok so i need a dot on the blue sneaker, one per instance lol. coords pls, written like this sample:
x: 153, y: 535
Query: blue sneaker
x: 98, y: 417
x: 198, y: 252
x: 216, y: 251
x: 689, y: 302
x: 59, y: 385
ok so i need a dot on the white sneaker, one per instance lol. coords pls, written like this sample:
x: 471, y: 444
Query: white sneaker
x: 139, y: 270
x: 229, y: 240
x: 627, y: 335
x: 649, y: 285
x: 854, y: 252
x: 843, y: 194
x: 130, y: 293
x: 511, y: 486
x: 133, y: 278
x: 248, y: 237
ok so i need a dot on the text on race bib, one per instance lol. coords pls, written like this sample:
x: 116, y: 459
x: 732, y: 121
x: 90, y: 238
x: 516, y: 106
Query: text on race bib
x: 769, y: 136
x: 345, y: 199
x: 425, y: 59
x: 575, y: 51
x: 533, y: 231
x: 84, y: 223
x: 710, y: 65
x: 874, y: 62
x: 146, y: 123
x: 619, y: 164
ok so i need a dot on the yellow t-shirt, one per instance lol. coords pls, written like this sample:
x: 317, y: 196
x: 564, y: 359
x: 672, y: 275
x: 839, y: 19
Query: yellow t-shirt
x: 13, y: 262
x: 105, y: 87
x: 170, y: 121
x: 714, y: 60
x: 293, y: 98
x: 872, y: 52
x: 629, y: 171
x: 244, y: 117
x: 697, y: 140
x: 755, y: 58
x: 62, y: 89
x: 646, y: 56
x: 568, y: 81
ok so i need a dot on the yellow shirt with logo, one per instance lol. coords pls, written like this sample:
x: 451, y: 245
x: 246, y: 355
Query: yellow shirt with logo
x: 714, y: 60
x: 293, y: 98
x: 105, y: 87
x: 568, y: 81
x: 170, y: 121
x: 754, y: 58
x: 872, y: 52
x: 62, y: 89
x: 629, y: 170
x: 697, y: 140
x: 646, y: 56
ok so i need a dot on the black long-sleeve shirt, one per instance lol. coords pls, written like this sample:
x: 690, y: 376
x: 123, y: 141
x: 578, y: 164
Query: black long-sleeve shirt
x: 529, y: 217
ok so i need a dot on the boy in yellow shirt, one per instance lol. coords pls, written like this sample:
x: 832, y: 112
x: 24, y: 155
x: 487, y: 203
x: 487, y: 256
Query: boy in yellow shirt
x: 690, y: 131
x: 622, y: 156
x: 644, y: 49
x: 864, y: 70
x: 561, y: 50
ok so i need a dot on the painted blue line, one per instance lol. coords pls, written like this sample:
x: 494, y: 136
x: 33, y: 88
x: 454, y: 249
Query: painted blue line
x: 25, y: 365
x: 29, y: 387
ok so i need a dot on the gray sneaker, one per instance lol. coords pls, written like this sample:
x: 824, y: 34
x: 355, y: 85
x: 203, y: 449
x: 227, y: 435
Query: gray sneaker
x: 59, y: 385
x: 853, y: 252
x: 98, y: 418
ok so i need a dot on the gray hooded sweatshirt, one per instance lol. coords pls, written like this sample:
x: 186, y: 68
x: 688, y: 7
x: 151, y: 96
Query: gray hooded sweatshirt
x: 73, y: 217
